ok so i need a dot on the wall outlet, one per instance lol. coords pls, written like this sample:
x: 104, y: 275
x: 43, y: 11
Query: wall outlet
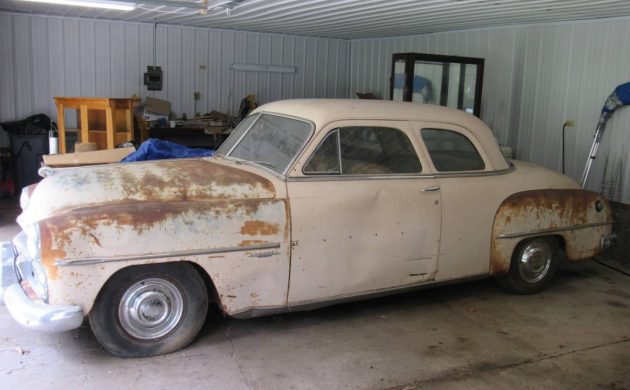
x: 569, y: 123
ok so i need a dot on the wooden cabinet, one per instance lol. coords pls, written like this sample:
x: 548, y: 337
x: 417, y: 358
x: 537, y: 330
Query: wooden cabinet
x: 104, y: 121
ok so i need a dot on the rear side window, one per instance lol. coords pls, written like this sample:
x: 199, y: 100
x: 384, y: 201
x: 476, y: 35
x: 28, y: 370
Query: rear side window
x: 451, y: 151
x: 364, y: 150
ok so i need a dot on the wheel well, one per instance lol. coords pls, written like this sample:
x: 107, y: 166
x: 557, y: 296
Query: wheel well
x: 561, y: 242
x: 559, y: 239
x: 213, y: 295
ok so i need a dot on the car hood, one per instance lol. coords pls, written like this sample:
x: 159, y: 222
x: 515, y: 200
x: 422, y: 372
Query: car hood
x: 142, y: 182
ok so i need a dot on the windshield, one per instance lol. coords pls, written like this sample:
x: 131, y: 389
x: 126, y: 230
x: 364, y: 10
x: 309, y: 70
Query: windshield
x: 269, y: 140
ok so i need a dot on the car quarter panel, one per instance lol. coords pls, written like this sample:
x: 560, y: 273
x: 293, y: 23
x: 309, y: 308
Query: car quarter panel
x: 469, y: 208
x: 580, y: 217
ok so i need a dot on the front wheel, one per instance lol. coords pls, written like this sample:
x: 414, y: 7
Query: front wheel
x: 150, y: 310
x: 533, y: 265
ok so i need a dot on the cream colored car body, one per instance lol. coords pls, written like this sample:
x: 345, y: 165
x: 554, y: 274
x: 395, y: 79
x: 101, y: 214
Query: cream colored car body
x: 271, y: 242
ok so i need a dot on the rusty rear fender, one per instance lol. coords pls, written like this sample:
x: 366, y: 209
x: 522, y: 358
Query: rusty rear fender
x: 578, y: 218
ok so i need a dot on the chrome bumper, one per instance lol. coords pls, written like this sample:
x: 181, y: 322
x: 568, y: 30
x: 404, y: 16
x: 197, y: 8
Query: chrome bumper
x: 30, y: 314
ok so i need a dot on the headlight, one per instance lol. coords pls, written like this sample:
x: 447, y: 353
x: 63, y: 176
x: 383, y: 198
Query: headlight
x: 30, y: 271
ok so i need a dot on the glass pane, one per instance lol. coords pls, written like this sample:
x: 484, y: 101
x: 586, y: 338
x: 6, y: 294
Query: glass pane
x: 325, y: 159
x: 399, y: 80
x: 236, y: 135
x: 377, y: 150
x: 451, y: 151
x: 470, y: 80
x: 454, y: 75
x: 427, y: 82
x: 273, y: 141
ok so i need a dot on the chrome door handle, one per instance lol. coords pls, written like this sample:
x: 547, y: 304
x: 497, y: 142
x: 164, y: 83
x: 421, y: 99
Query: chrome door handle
x: 430, y: 189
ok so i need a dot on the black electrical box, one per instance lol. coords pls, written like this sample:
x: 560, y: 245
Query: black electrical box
x: 153, y: 78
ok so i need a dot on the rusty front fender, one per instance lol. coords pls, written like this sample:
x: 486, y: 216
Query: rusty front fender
x: 579, y: 218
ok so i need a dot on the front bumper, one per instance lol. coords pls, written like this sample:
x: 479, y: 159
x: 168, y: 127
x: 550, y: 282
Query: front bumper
x: 31, y: 314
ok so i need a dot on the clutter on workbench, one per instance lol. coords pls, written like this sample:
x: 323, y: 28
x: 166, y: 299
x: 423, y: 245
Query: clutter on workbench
x: 248, y: 104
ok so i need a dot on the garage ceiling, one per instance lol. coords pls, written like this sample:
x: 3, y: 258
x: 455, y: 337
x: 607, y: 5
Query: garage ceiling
x: 343, y: 18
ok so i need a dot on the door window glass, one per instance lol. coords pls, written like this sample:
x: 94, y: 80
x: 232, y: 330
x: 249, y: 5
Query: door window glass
x: 451, y: 151
x: 325, y: 159
x: 365, y: 150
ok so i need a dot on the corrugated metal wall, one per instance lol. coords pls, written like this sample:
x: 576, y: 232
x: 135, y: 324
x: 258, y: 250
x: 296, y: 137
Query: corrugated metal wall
x: 535, y: 78
x: 42, y: 57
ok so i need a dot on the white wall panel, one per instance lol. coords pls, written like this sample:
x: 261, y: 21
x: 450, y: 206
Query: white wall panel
x: 42, y: 57
x: 23, y: 65
x: 535, y: 78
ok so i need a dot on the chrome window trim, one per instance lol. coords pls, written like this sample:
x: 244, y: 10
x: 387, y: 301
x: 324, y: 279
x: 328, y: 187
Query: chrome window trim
x: 337, y: 177
x: 474, y: 173
x: 149, y: 256
x: 240, y: 138
x: 338, y: 151
x: 394, y: 176
x: 295, y: 157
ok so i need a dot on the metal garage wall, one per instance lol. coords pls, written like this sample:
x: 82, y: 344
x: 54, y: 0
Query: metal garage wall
x: 535, y: 78
x: 42, y: 57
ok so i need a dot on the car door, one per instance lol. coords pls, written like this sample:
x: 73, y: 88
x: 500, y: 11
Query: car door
x: 471, y: 190
x: 365, y: 216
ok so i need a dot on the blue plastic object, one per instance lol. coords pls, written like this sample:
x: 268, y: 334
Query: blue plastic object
x: 155, y: 149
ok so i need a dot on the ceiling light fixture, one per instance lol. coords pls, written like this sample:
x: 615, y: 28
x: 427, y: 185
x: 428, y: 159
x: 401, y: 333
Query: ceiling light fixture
x: 264, y: 68
x: 116, y: 5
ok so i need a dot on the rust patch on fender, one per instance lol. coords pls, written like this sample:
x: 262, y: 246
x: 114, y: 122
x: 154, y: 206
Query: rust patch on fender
x: 49, y: 254
x: 550, y: 211
x: 192, y: 179
x: 251, y: 242
x: 255, y: 228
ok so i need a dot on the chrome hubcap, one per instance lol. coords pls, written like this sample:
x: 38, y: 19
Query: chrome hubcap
x: 150, y: 309
x: 535, y: 261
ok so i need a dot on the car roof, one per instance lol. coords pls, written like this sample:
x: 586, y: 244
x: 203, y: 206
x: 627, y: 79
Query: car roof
x: 324, y: 111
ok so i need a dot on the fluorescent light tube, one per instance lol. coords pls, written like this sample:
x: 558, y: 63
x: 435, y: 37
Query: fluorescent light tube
x: 264, y: 68
x: 117, y: 5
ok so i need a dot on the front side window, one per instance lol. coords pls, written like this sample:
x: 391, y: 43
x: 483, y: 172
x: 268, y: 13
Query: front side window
x: 269, y: 140
x: 364, y: 150
x: 451, y: 151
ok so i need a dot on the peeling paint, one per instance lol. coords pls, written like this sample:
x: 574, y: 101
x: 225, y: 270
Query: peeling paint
x: 552, y: 212
x: 254, y: 228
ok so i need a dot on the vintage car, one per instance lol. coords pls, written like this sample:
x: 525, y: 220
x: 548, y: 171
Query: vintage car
x: 308, y: 203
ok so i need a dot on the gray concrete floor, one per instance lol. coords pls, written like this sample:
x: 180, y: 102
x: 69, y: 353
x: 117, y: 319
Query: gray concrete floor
x: 575, y: 335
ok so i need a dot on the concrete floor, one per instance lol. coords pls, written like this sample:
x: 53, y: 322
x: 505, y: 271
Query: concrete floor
x: 575, y: 335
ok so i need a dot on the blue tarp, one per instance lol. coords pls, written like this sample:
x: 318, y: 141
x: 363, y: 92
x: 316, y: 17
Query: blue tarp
x: 155, y: 149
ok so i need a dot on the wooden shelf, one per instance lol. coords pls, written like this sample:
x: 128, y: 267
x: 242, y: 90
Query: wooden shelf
x: 104, y: 121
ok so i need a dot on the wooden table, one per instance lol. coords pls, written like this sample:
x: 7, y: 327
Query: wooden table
x: 104, y: 121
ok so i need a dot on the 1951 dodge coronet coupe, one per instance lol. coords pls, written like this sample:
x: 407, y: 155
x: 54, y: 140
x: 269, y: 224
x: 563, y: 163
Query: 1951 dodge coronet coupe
x: 308, y: 203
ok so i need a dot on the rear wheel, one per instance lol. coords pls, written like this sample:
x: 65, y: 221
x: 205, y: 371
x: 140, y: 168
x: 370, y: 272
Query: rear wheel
x: 533, y: 265
x: 150, y: 310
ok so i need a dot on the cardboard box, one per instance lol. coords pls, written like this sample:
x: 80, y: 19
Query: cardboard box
x: 155, y: 109
x: 87, y: 158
